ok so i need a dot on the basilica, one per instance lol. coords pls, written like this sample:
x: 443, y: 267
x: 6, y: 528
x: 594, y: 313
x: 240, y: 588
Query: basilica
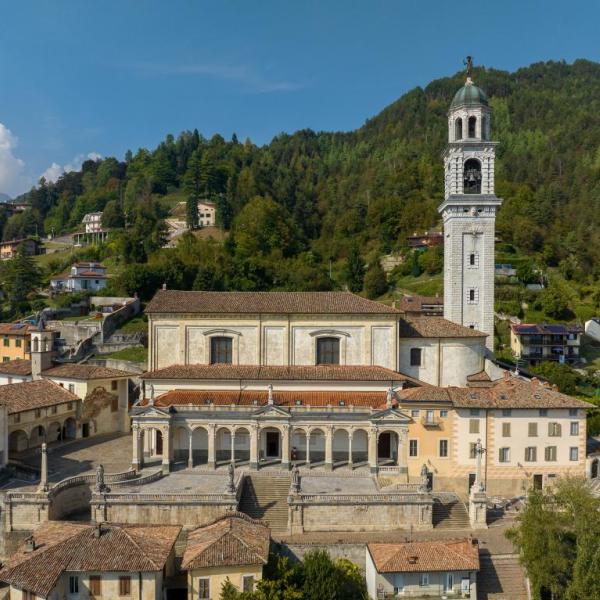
x: 334, y: 382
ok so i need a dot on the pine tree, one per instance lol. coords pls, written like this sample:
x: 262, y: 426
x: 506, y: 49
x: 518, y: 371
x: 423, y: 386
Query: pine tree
x: 192, y: 183
x: 375, y: 281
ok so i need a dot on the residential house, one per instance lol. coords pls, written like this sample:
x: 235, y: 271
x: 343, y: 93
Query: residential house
x: 93, y: 232
x: 592, y: 328
x: 92, y: 222
x: 535, y: 343
x: 426, y: 240
x: 16, y: 341
x: 234, y: 547
x: 83, y: 276
x: 10, y: 248
x: 416, y: 306
x: 85, y: 561
x: 423, y: 569
x: 207, y: 213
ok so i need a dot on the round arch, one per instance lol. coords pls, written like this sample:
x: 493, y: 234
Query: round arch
x: 472, y: 176
x: 270, y: 443
x: 360, y: 446
x: 388, y: 442
x: 223, y: 444
x: 54, y: 432
x: 199, y: 445
x: 69, y: 429
x: 37, y: 436
x: 18, y: 441
x: 181, y: 443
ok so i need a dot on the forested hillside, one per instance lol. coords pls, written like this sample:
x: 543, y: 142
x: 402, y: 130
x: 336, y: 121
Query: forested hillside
x: 310, y: 204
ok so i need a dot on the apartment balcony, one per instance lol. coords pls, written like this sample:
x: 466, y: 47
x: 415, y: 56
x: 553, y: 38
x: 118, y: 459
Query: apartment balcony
x: 431, y: 422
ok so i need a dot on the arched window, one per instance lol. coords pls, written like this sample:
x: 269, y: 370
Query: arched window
x: 472, y: 177
x: 483, y: 126
x: 472, y: 126
x: 221, y: 350
x: 328, y: 351
x: 458, y: 129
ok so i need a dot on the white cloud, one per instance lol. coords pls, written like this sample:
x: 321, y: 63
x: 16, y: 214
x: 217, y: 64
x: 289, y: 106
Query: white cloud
x: 245, y: 75
x: 54, y: 171
x: 13, y: 180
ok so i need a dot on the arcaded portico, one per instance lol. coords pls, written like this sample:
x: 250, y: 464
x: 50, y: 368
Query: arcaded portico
x: 276, y: 433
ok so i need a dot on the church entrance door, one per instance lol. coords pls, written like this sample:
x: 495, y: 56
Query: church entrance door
x: 272, y: 444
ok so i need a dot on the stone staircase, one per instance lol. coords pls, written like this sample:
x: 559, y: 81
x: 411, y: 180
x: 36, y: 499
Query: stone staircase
x: 500, y: 577
x: 264, y: 496
x: 450, y: 513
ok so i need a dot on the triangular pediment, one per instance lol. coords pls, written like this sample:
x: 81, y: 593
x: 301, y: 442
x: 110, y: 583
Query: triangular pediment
x: 390, y: 415
x: 272, y: 411
x: 150, y: 412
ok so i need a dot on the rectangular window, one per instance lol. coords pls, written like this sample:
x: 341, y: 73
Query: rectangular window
x: 574, y: 427
x: 54, y: 409
x: 505, y: 429
x: 443, y: 414
x: 38, y: 413
x: 506, y: 412
x: 6, y: 342
x: 95, y: 585
x: 5, y: 358
x: 554, y: 429
x: 473, y: 296
x: 204, y: 588
x: 504, y: 455
x: 414, y: 412
x: 248, y: 583
x: 429, y: 416
x: 543, y: 412
x: 328, y: 351
x: 574, y: 453
x: 472, y: 450
x: 114, y: 405
x: 72, y: 388
x: 572, y: 412
x: 114, y: 385
x: 413, y: 448
x: 473, y: 259
x: 424, y: 580
x: 473, y: 425
x: 415, y: 357
x: 74, y: 584
x: 532, y: 429
x: 221, y: 350
x: 69, y: 406
x: 124, y: 585
x: 531, y: 454
x: 443, y: 448
x: 17, y: 418
x: 550, y: 453
x: 18, y: 342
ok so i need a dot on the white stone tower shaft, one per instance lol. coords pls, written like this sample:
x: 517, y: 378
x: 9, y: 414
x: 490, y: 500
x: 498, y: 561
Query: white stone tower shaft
x: 469, y: 213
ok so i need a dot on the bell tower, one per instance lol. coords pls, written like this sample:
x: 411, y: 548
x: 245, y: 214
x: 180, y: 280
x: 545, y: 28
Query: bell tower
x: 469, y: 211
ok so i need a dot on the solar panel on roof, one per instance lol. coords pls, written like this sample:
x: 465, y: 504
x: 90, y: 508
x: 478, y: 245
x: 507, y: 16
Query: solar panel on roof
x: 18, y: 326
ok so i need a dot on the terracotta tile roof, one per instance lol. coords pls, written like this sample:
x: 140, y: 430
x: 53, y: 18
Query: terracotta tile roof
x: 230, y: 540
x: 63, y: 546
x: 260, y: 398
x: 78, y: 371
x: 545, y: 329
x: 20, y: 329
x: 417, y: 557
x: 18, y: 366
x: 174, y: 301
x: 414, y: 303
x: 427, y: 393
x: 481, y: 376
x: 432, y: 327
x: 277, y: 372
x: 514, y: 392
x: 28, y: 395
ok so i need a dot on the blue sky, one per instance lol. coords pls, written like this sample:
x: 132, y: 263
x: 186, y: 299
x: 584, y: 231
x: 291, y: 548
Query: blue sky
x: 81, y: 78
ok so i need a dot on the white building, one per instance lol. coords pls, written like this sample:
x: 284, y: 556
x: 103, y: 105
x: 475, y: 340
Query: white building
x: 93, y: 222
x: 592, y: 328
x: 207, y: 213
x: 83, y: 276
x: 469, y: 213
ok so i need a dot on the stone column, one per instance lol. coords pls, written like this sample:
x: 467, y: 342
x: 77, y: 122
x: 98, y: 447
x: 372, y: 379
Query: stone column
x: 329, y: 448
x: 285, y: 447
x: 350, y: 459
x: 43, y: 487
x: 399, y: 449
x: 373, y: 449
x: 212, y: 463
x: 136, y: 455
x: 190, y: 450
x: 166, y: 449
x: 254, y: 441
x: 307, y: 461
x: 232, y: 453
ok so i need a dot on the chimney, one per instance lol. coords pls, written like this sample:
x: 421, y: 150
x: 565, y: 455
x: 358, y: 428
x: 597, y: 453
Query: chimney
x: 30, y: 544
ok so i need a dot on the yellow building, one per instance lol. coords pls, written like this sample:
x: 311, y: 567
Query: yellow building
x: 233, y: 547
x: 16, y: 341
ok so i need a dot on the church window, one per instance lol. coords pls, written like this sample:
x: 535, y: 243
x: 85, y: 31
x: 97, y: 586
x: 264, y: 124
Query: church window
x: 473, y: 260
x: 472, y: 126
x: 472, y: 295
x: 415, y: 357
x: 472, y: 177
x: 221, y: 350
x: 458, y: 129
x: 328, y: 351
